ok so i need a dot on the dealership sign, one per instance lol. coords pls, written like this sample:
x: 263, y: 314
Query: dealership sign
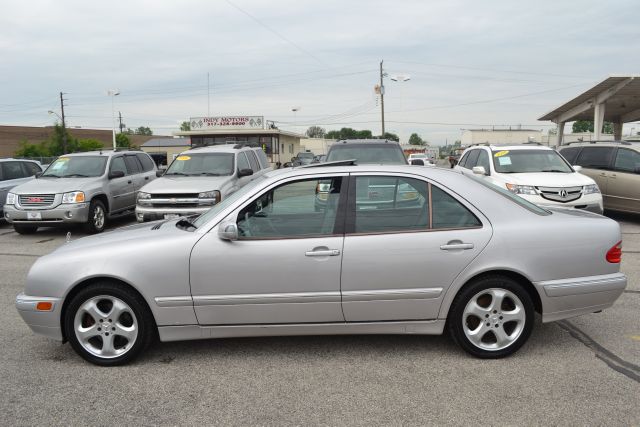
x: 232, y: 122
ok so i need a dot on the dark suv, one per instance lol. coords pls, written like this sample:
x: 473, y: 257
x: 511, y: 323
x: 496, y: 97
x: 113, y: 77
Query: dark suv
x: 376, y: 151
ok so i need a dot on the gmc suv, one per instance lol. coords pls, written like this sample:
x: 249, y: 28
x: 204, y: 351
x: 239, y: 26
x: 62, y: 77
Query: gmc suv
x: 86, y: 188
x: 198, y: 179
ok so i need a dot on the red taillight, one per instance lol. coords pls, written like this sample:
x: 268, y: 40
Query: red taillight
x: 614, y: 255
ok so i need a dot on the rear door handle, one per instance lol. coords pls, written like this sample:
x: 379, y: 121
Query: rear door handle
x: 328, y: 252
x: 456, y: 246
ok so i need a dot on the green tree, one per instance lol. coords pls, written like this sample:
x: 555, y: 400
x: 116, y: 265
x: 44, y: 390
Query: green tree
x: 364, y: 134
x: 580, y: 126
x: 185, y: 126
x: 122, y: 140
x: 89, y: 145
x: 315, y: 132
x: 55, y: 143
x: 32, y: 150
x: 415, y: 139
x: 142, y: 130
x: 390, y: 136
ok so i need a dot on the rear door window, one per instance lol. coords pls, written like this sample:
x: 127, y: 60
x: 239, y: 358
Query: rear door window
x: 13, y: 170
x: 133, y: 165
x: 595, y: 157
x: 627, y: 160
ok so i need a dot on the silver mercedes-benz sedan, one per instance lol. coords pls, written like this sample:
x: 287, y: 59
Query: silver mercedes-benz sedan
x: 334, y: 249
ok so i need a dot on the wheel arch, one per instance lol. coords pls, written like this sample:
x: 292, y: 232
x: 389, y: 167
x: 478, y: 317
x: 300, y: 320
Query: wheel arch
x: 91, y: 281
x: 104, y: 199
x: 514, y: 275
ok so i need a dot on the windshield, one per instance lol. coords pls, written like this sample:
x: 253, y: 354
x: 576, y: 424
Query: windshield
x: 219, y: 207
x: 418, y: 156
x: 77, y: 167
x: 192, y: 164
x: 523, y: 161
x: 371, y: 153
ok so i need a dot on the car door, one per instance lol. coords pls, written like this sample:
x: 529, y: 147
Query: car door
x: 596, y: 163
x: 121, y: 189
x: 623, y: 186
x: 285, y: 265
x: 148, y: 168
x: 135, y: 171
x: 404, y: 247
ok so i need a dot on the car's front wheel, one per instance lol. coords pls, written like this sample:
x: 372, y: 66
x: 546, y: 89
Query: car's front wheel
x: 491, y: 317
x: 108, y: 324
x: 97, y: 217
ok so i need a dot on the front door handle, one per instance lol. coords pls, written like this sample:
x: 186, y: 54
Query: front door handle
x: 128, y: 182
x: 327, y: 252
x: 456, y: 246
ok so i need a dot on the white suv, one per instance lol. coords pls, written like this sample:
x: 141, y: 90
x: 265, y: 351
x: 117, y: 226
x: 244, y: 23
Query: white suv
x: 534, y: 172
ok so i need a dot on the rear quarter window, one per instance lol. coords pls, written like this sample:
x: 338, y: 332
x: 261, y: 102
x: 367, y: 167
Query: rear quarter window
x: 595, y: 157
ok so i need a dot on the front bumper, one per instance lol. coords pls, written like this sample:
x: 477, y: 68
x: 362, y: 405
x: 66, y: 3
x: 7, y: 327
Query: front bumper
x: 144, y: 213
x: 61, y: 214
x: 45, y: 323
x: 566, y: 298
x: 588, y: 202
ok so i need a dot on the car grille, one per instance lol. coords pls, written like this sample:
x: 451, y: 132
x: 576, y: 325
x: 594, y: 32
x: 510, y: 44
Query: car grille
x: 36, y: 200
x: 174, y: 196
x: 560, y: 194
x: 177, y: 205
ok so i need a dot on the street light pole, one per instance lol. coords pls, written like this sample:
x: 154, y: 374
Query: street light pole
x: 382, y: 96
x: 113, y: 93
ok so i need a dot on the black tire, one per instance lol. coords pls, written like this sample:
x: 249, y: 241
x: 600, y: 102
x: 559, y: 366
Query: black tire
x: 97, y: 219
x: 107, y: 297
x: 509, y: 335
x: 25, y: 229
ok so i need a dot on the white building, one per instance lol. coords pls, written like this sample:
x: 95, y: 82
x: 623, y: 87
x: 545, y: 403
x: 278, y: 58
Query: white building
x: 500, y: 136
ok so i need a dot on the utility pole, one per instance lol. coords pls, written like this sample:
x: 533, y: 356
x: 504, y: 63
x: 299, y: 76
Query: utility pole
x: 64, y: 127
x: 382, y: 96
x: 120, y: 118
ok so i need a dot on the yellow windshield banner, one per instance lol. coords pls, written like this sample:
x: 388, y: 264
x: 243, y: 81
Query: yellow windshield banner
x: 501, y: 153
x: 182, y: 158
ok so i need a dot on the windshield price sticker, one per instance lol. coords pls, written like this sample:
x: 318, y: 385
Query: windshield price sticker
x: 183, y: 158
x: 504, y: 161
x: 501, y: 153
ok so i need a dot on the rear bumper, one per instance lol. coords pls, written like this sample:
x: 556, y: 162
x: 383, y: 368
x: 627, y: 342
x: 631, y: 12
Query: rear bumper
x: 45, y: 323
x: 61, y: 214
x: 566, y: 298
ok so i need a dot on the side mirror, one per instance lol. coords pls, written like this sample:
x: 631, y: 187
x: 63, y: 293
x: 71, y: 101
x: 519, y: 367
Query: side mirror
x: 479, y: 170
x: 244, y: 172
x: 417, y: 162
x: 38, y: 175
x: 636, y: 169
x: 116, y: 174
x: 577, y: 168
x: 228, y: 231
x: 159, y: 173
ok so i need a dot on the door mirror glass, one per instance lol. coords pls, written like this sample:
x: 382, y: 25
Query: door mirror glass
x: 245, y: 172
x: 228, y: 231
x: 159, y: 173
x: 116, y: 174
x: 479, y: 170
x: 38, y: 175
x: 577, y: 168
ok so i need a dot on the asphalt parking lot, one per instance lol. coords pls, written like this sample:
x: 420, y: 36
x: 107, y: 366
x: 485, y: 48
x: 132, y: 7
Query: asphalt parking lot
x: 585, y: 371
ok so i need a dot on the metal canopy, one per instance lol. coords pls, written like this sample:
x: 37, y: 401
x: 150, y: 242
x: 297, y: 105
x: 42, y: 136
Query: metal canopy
x: 616, y: 99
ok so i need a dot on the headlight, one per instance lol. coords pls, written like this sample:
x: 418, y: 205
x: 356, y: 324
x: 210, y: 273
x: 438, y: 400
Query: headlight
x: 73, y: 197
x: 587, y: 189
x: 522, y: 189
x: 213, y: 196
x: 11, y: 199
x: 143, y: 195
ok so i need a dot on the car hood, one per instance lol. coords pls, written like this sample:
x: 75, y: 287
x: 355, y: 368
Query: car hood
x: 549, y: 179
x: 55, y: 185
x: 135, y: 234
x: 186, y: 184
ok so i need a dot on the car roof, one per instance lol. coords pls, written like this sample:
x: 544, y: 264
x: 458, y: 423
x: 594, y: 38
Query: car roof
x: 11, y: 159
x: 220, y: 148
x: 511, y: 147
x: 634, y: 145
x: 106, y: 153
x: 434, y: 173
x: 363, y: 141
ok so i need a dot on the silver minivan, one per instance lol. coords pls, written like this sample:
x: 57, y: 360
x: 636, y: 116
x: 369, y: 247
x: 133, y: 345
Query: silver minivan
x: 14, y: 172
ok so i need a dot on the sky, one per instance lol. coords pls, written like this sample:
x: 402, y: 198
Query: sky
x: 472, y: 64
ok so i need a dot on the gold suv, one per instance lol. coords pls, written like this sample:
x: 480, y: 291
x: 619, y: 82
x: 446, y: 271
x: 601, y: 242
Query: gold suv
x: 615, y: 166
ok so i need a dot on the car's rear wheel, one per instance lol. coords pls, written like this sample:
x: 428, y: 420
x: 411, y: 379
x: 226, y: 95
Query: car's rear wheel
x: 25, y: 229
x: 97, y: 217
x: 108, y: 324
x: 491, y: 317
